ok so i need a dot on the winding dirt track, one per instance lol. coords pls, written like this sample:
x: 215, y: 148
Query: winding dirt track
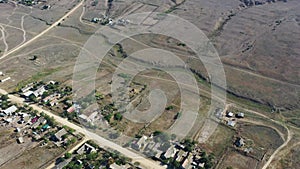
x: 44, y: 32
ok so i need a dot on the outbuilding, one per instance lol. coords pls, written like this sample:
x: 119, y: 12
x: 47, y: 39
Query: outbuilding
x: 240, y: 115
x: 20, y: 140
x: 10, y: 110
x: 231, y: 123
x: 229, y: 114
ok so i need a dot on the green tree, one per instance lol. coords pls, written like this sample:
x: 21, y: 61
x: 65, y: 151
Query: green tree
x: 189, y: 144
x: 68, y: 155
x: 176, y: 164
x: 92, y: 156
x: 32, y: 98
x: 4, y: 97
x: 170, y: 108
x: 118, y: 116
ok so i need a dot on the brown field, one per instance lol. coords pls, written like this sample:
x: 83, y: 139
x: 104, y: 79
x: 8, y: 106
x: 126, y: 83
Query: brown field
x: 36, y: 157
x: 9, y: 148
x: 238, y: 161
x: 263, y: 140
x: 262, y: 136
x: 220, y: 141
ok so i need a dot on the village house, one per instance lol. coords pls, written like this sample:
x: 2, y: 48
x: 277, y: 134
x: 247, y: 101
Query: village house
x: 42, y: 120
x: 240, y: 115
x: 10, y: 110
x: 188, y: 161
x: 27, y: 88
x: 53, y: 103
x: 27, y: 94
x: 229, y: 114
x: 181, y: 155
x: 59, y: 134
x: 140, y: 144
x: 239, y: 142
x: 24, y: 118
x: 5, y: 79
x: 8, y: 120
x: 116, y: 166
x: 18, y: 130
x: 170, y: 152
x: 45, y: 127
x: 84, y: 117
x: 71, y: 109
x: 156, y: 149
x: 37, y: 136
x: 34, y: 125
x: 150, y: 145
x: 20, y: 140
x: 39, y: 92
x: 95, y: 20
x: 52, y: 99
x: 231, y: 123
x: 34, y: 120
x: 86, y: 148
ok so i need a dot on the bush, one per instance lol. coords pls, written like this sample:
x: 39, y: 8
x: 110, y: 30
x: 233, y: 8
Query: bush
x: 170, y: 108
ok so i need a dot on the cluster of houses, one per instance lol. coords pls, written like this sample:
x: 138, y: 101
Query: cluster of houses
x: 175, y: 151
x: 31, y: 2
x: 105, y: 20
x: 23, y: 122
x: 30, y: 125
x: 231, y: 118
x: 39, y: 92
x: 87, y: 149
x: 36, y: 90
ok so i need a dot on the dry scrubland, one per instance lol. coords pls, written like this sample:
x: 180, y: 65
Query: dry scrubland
x: 255, y: 43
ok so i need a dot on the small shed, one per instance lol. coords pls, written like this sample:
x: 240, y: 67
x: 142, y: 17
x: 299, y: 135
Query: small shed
x: 10, y: 110
x: 229, y: 114
x: 59, y: 134
x: 239, y: 142
x: 46, y: 126
x: 20, y: 140
x: 231, y: 123
x: 240, y: 115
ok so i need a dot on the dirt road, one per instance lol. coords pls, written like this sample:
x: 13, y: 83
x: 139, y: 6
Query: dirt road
x: 44, y: 32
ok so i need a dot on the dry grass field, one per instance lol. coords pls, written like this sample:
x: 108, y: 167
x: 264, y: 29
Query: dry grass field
x: 36, y: 157
x: 9, y: 148
x: 236, y: 160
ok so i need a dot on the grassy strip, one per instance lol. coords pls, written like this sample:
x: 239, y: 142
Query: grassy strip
x: 36, y: 77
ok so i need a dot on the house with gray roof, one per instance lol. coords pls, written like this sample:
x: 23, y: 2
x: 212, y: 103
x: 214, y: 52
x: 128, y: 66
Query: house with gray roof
x: 10, y: 110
